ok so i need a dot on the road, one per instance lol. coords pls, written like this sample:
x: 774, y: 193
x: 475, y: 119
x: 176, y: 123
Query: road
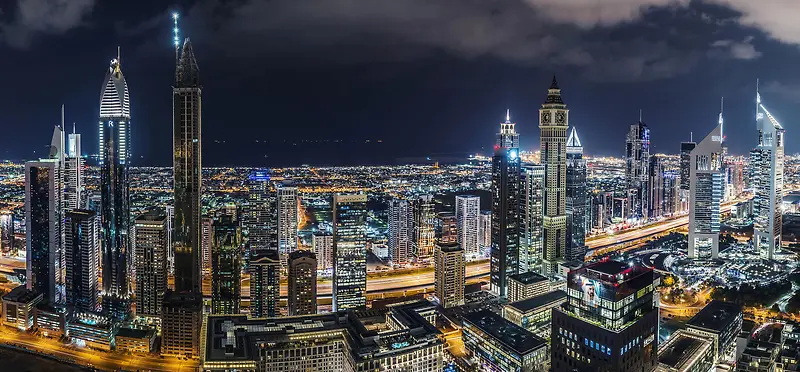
x: 105, y: 361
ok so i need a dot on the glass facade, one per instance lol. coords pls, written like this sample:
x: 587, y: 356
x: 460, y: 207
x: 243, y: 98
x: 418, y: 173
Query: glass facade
x: 350, y: 251
x: 226, y: 271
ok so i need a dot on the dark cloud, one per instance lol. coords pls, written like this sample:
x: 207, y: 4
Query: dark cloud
x: 735, y: 49
x: 32, y: 17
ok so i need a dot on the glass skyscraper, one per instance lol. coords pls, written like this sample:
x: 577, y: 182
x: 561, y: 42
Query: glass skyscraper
x: 530, y: 254
x: 637, y: 164
x: 506, y: 195
x: 705, y: 193
x: 226, y: 270
x: 577, y: 199
x: 82, y: 251
x: 349, y: 251
x: 768, y: 179
x: 43, y: 235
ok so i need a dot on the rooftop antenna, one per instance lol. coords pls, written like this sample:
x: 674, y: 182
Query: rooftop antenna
x: 508, y: 115
x: 73, y: 127
x: 721, y: 108
x: 691, y: 137
x: 62, y: 116
x: 640, y: 115
x: 175, y: 35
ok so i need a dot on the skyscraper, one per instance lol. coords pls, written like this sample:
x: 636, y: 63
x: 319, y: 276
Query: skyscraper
x: 530, y: 255
x: 73, y: 173
x: 768, y: 182
x: 705, y: 193
x: 302, y: 289
x: 553, y: 124
x: 577, y: 199
x: 468, y: 210
x: 43, y: 214
x: 288, y: 203
x: 449, y: 271
x: 686, y: 151
x: 115, y: 156
x: 447, y: 225
x: 226, y: 269
x: 207, y: 230
x: 322, y: 243
x: 424, y: 227
x: 82, y: 251
x: 261, y: 214
x: 151, y: 242
x: 637, y: 163
x: 506, y: 195
x: 401, y: 231
x: 182, y: 315
x: 485, y: 231
x: 349, y: 251
x: 265, y: 272
x: 655, y: 183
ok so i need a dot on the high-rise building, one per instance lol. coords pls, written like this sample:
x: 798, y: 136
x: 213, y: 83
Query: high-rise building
x: 115, y: 215
x: 182, y: 315
x: 424, y: 227
x: 82, y: 251
x: 322, y: 243
x: 151, y: 242
x: 655, y: 183
x: 577, y: 201
x: 468, y: 210
x: 768, y: 182
x: 170, y: 213
x: 506, y: 198
x: 530, y: 255
x: 43, y: 215
x: 447, y: 227
x: 226, y: 269
x: 637, y: 163
x: 485, y: 231
x: 672, y: 192
x: 349, y: 251
x: 302, y: 289
x: 261, y: 217
x: 685, y: 164
x: 207, y: 231
x: 449, y: 271
x: 553, y: 124
x: 705, y: 193
x: 401, y: 231
x: 6, y: 232
x: 595, y: 331
x: 73, y: 173
x: 288, y: 204
x: 734, y: 177
x: 265, y: 272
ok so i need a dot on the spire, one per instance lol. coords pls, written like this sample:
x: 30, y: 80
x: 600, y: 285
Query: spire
x: 721, y: 107
x: 175, y: 38
x: 508, y: 115
x: 573, y: 140
x: 554, y: 84
x: 554, y: 94
x: 73, y: 127
x: 187, y: 73
x: 640, y: 115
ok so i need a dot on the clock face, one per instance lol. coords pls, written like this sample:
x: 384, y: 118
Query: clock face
x: 561, y: 118
x: 545, y: 117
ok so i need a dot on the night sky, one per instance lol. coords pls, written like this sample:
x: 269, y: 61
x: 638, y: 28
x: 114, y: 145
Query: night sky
x: 426, y: 77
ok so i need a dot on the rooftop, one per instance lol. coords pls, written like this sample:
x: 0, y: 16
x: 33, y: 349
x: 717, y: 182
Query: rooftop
x: 716, y: 316
x: 152, y: 215
x: 609, y: 267
x: 536, y: 302
x: 681, y: 348
x: 529, y: 277
x: 21, y: 294
x: 511, y: 335
x: 135, y: 332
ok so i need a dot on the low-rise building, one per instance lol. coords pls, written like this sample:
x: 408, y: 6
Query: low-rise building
x: 93, y: 331
x: 19, y: 308
x: 535, y: 313
x: 686, y: 352
x: 137, y: 340
x: 495, y: 344
x: 527, y: 285
x: 721, y: 321
x: 51, y: 321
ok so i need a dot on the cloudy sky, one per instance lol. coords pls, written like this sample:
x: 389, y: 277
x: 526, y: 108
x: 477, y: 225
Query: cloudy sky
x: 424, y: 76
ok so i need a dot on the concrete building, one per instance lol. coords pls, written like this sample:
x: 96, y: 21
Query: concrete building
x: 93, y: 331
x: 535, y: 313
x: 401, y: 231
x: 722, y: 323
x: 527, y: 285
x: 468, y: 210
x: 261, y: 216
x: 288, y: 204
x: 135, y: 340
x: 322, y: 244
x: 532, y: 218
x: 19, y: 308
x: 265, y: 270
x: 150, y: 234
x: 302, y: 288
x: 485, y: 231
x: 449, y: 274
x: 553, y: 124
x: 686, y: 352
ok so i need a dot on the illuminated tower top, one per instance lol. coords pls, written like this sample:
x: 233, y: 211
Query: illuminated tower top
x: 187, y: 74
x: 508, y: 137
x: 114, y: 98
x: 574, y: 143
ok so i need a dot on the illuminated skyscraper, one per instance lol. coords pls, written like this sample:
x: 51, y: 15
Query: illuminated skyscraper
x: 288, y: 203
x: 530, y: 255
x: 302, y: 288
x: 265, y: 272
x: 637, y: 163
x: 73, y: 173
x: 485, y: 231
x: 349, y: 251
x: 767, y: 182
x: 322, y: 243
x: 261, y: 214
x: 553, y: 124
x: 115, y: 155
x: 506, y: 198
x: 705, y: 193
x: 686, y: 151
x: 655, y: 183
x: 82, y: 251
x: 577, y: 199
x: 424, y: 227
x: 468, y: 210
x: 449, y: 273
x: 401, y: 231
x: 226, y: 267
x: 151, y: 237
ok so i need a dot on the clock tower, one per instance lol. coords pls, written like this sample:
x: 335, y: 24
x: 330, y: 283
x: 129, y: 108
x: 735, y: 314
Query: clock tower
x: 553, y: 125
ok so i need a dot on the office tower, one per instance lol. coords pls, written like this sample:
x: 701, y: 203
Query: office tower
x: 553, y: 124
x: 265, y: 270
x: 261, y: 220
x: 207, y: 227
x: 43, y: 214
x: 530, y: 255
x: 734, y: 177
x: 485, y: 231
x: 115, y: 215
x: 637, y: 162
x: 302, y: 288
x: 349, y: 251
x: 449, y: 271
x: 424, y: 227
x: 577, y: 199
x: 181, y: 315
x: 73, y: 172
x: 705, y: 193
x: 655, y: 183
x: 768, y: 183
x: 447, y: 227
x: 506, y: 195
x: 288, y: 203
x: 151, y: 242
x: 609, y: 322
x: 685, y: 164
x: 6, y: 232
x: 671, y: 192
x: 322, y: 244
x: 535, y: 313
x: 401, y: 231
x: 170, y: 214
x: 496, y: 344
x: 468, y: 210
x: 82, y: 249
x: 328, y: 342
x: 226, y: 269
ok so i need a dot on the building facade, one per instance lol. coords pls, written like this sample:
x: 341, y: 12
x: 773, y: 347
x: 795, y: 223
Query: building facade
x: 288, y: 204
x: 577, y: 202
x: 261, y: 217
x: 322, y: 243
x: 226, y: 269
x: 637, y: 164
x: 506, y: 195
x: 73, y: 173
x: 526, y: 285
x: 302, y: 288
x: 553, y: 124
x: 705, y: 194
x: 495, y: 344
x: 265, y: 270
x: 349, y: 251
x: 532, y: 218
x: 424, y: 227
x: 401, y: 231
x: 449, y: 271
x: 151, y: 242
x: 82, y: 251
x: 768, y: 179
x: 468, y: 210
x: 43, y: 214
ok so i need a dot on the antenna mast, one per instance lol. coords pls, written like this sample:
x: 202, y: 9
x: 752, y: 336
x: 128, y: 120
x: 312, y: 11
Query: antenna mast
x: 175, y: 36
